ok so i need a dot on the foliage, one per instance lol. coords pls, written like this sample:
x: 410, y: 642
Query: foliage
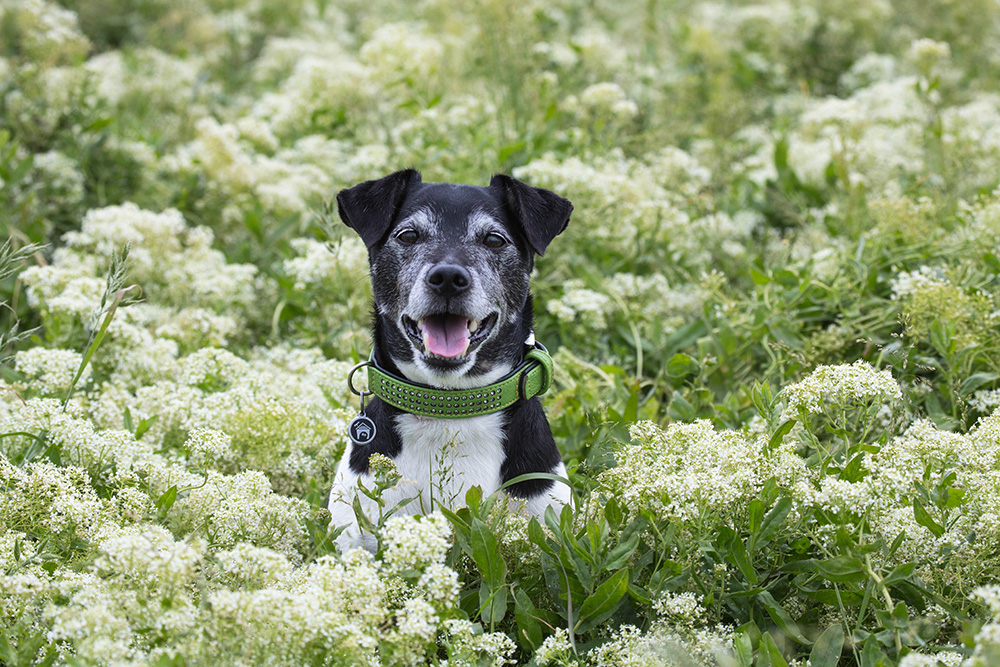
x: 774, y: 317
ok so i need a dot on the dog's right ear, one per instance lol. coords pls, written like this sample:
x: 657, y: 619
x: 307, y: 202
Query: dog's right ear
x: 371, y: 207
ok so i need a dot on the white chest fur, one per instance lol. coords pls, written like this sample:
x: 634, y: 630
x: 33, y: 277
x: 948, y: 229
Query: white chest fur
x: 441, y: 459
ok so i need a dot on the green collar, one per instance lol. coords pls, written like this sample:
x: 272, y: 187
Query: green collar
x: 531, y: 378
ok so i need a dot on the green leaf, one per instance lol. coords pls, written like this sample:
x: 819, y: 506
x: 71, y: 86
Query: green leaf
x: 551, y: 520
x: 144, y: 425
x: 773, y: 521
x: 941, y: 339
x: 925, y: 519
x: 770, y: 655
x: 755, y: 513
x: 98, y: 337
x: 738, y: 554
x: 680, y: 408
x: 853, y: 472
x: 975, y: 381
x: 618, y: 556
x: 783, y: 333
x: 684, y: 337
x: 781, y: 618
x: 492, y: 603
x: 899, y: 573
x: 640, y: 595
x: 613, y: 513
x: 759, y: 277
x: 363, y: 521
x: 166, y: 501
x: 743, y: 648
x: 473, y: 498
x: 7, y: 653
x: 599, y: 606
x: 955, y: 498
x: 528, y: 476
x: 681, y: 365
x: 529, y: 628
x: 507, y: 151
x: 786, y: 277
x: 762, y: 398
x: 872, y: 655
x: 780, y: 433
x: 486, y: 554
x: 841, y: 569
x: 537, y: 536
x: 632, y: 407
x: 828, y: 647
x: 834, y: 598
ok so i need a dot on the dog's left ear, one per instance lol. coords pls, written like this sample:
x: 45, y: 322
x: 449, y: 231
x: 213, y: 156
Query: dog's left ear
x: 541, y: 214
x: 371, y: 207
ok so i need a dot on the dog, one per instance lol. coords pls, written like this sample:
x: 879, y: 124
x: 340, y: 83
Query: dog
x: 450, y: 267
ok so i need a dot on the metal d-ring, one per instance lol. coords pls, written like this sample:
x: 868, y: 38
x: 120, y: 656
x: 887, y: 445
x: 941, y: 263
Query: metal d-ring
x: 350, y: 381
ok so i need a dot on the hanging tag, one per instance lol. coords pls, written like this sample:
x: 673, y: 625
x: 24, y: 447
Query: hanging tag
x: 362, y: 429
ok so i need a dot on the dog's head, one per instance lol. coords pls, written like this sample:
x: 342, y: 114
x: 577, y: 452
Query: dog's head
x: 450, y: 267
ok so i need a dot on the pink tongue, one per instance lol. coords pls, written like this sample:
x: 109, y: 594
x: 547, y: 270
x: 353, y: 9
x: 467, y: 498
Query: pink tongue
x: 446, y: 335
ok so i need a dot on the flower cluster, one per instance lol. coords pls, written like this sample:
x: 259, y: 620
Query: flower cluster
x: 764, y: 193
x: 688, y: 470
x: 841, y: 386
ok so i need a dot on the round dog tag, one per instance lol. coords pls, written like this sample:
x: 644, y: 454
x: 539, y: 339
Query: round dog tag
x: 362, y: 430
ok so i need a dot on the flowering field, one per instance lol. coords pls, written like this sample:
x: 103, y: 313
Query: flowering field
x: 775, y: 317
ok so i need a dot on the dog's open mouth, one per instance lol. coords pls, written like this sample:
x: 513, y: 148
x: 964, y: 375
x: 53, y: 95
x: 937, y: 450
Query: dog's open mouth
x: 448, y: 337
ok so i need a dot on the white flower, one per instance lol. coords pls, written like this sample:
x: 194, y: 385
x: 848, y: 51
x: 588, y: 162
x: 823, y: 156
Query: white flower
x: 50, y: 372
x: 418, y: 620
x: 439, y: 583
x: 247, y: 564
x: 208, y: 445
x: 413, y: 542
x: 680, y: 608
x: 400, y: 51
x: 837, y: 385
x: 907, y: 283
x: 687, y: 469
x: 925, y: 52
x: 553, y: 647
x: 608, y: 100
x: 149, y: 552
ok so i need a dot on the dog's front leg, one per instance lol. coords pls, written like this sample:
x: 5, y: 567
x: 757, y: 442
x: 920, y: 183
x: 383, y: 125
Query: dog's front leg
x: 341, y: 505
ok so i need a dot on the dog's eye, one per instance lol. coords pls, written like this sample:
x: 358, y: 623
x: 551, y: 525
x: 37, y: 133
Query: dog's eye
x: 493, y: 240
x: 408, y: 236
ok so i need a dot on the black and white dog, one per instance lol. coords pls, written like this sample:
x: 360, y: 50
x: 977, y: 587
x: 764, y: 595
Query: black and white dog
x: 450, y: 266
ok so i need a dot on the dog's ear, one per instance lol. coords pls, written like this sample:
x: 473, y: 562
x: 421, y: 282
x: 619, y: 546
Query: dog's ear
x: 370, y: 208
x: 541, y: 214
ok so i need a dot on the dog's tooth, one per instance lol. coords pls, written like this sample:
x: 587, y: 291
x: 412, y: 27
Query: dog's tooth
x: 473, y: 325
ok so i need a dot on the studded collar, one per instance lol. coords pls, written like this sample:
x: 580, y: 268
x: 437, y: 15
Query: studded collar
x: 532, y: 377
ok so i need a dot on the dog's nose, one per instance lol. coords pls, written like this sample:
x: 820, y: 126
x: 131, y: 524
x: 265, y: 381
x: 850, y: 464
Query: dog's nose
x: 448, y: 279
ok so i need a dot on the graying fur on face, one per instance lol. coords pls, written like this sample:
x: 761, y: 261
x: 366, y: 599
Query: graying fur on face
x: 498, y: 289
